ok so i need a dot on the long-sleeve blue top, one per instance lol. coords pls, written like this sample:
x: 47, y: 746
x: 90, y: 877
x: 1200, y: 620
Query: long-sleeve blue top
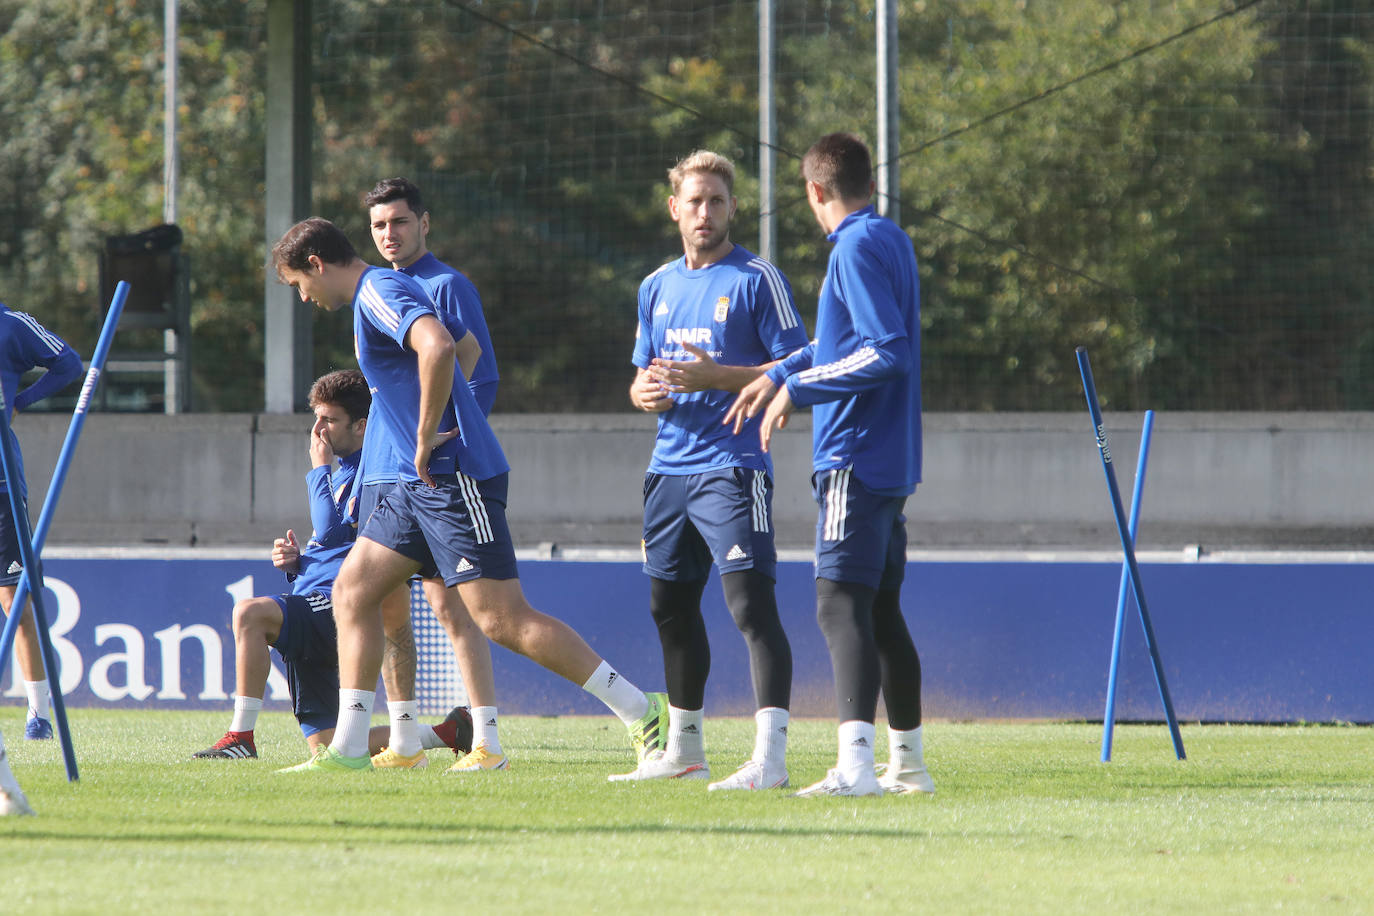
x: 862, y: 373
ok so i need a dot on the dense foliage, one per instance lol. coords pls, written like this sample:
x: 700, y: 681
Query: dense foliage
x: 1198, y: 211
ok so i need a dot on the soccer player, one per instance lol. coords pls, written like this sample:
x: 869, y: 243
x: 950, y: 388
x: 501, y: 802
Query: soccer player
x: 446, y: 516
x: 708, y: 324
x: 862, y: 376
x: 24, y: 345
x: 400, y: 230
x: 300, y: 625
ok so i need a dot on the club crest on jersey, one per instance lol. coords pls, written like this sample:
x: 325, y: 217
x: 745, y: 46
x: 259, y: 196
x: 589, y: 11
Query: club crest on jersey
x: 722, y: 308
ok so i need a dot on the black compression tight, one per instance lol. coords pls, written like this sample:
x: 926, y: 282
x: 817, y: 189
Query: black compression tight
x: 870, y: 650
x: 749, y: 595
x: 676, y: 609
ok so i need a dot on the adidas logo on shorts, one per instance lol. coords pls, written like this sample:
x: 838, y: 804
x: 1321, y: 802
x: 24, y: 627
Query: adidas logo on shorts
x: 464, y: 566
x: 14, y: 568
x: 736, y: 553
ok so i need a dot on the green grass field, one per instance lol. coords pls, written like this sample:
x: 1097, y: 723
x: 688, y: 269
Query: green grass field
x: 1026, y: 820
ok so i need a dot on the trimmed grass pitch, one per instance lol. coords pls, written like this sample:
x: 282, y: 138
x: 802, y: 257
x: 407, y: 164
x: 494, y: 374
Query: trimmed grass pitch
x: 1026, y: 820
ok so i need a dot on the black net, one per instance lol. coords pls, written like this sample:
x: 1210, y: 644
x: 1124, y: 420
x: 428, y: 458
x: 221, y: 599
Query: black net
x: 1185, y: 188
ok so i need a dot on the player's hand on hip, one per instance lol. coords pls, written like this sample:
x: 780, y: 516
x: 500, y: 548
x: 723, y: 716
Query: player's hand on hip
x: 752, y: 398
x: 775, y: 417
x: 423, y: 448
x: 687, y: 375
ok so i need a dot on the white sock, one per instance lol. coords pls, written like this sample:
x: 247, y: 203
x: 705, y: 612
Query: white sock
x: 904, y: 749
x: 246, y: 711
x: 856, y: 746
x: 484, y: 728
x: 428, y: 739
x: 770, y: 737
x: 626, y: 700
x: 405, y: 733
x: 38, y: 694
x: 685, y: 740
x: 355, y: 720
x: 7, y: 780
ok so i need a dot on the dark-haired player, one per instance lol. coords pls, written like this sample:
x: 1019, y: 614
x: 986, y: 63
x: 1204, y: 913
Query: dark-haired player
x: 300, y: 625
x: 446, y: 516
x: 400, y: 229
x: 862, y: 378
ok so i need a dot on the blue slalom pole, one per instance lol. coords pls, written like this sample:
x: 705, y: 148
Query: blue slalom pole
x: 1127, y: 547
x: 1133, y: 526
x: 64, y: 459
x: 10, y: 460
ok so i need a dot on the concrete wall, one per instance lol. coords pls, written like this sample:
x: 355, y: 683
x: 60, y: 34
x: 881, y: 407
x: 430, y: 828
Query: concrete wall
x: 992, y: 480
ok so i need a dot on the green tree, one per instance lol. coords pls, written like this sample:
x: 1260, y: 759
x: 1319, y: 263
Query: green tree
x: 82, y: 157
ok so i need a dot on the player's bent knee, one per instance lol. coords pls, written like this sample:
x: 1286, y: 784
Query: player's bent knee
x: 257, y: 615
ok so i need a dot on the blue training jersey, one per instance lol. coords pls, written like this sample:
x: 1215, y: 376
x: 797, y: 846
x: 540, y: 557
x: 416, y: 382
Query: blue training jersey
x: 862, y: 373
x: 334, y: 529
x: 385, y: 305
x: 740, y: 310
x: 453, y: 295
x: 25, y: 344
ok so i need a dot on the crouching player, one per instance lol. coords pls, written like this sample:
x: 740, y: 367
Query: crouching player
x: 300, y: 625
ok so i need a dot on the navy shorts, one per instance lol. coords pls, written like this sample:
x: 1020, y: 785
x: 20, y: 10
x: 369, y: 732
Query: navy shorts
x: 369, y: 495
x: 309, y: 645
x: 860, y: 535
x: 456, y: 530
x: 11, y: 560
x: 723, y: 516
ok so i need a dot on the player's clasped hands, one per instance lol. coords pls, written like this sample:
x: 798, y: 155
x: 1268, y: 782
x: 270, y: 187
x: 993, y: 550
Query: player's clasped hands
x: 684, y: 376
x: 649, y: 393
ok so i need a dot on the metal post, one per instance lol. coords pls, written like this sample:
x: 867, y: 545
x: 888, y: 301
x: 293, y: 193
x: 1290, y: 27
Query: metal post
x: 768, y: 135
x: 887, y: 169
x: 170, y: 162
x: 288, y: 322
x: 172, y: 345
